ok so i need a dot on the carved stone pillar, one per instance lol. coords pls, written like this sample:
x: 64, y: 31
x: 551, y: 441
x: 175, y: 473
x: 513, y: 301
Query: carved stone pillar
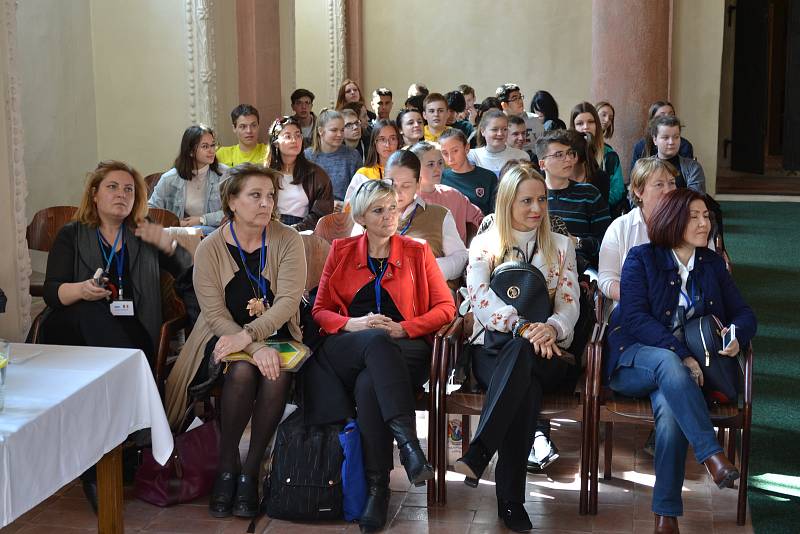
x: 16, y: 271
x: 202, y: 67
x: 337, y: 36
x: 631, y: 58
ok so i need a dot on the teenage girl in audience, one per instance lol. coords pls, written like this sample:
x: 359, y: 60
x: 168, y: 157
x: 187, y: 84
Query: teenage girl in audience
x: 516, y: 375
x: 384, y: 141
x: 586, y: 167
x: 306, y: 192
x: 190, y: 189
x: 350, y: 92
x: 418, y: 219
x: 479, y: 185
x: 249, y: 278
x: 665, y: 134
x: 432, y: 191
x: 544, y: 106
x: 644, y: 147
x: 651, y: 180
x: 494, y: 131
x: 606, y: 113
x: 487, y: 104
x: 584, y: 119
x: 380, y: 298
x: 329, y: 152
x: 673, y: 275
x: 353, y: 137
x: 411, y: 125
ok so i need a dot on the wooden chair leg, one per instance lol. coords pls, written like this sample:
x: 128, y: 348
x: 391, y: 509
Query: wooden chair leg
x: 441, y: 454
x: 432, y: 495
x: 466, y: 430
x: 609, y: 451
x: 583, y: 503
x: 731, y: 432
x: 594, y: 460
x: 721, y: 436
x: 741, y: 509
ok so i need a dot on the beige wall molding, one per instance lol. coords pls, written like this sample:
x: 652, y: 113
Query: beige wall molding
x: 202, y: 68
x: 18, y: 310
x: 337, y: 35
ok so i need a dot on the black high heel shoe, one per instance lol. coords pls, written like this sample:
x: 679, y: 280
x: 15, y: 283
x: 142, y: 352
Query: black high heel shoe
x: 473, y: 464
x: 224, y: 489
x: 514, y: 516
x: 373, y: 518
x: 246, y: 502
x: 411, y: 456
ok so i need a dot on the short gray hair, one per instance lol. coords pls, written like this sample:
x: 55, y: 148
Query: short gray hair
x: 368, y: 193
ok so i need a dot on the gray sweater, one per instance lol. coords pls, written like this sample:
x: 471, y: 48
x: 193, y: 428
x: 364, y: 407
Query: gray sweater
x: 340, y: 166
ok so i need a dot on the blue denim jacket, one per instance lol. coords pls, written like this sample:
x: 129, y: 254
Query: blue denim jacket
x: 649, y: 287
x: 170, y: 194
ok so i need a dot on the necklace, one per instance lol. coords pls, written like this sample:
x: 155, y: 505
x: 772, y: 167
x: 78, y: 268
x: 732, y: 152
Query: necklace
x: 258, y: 305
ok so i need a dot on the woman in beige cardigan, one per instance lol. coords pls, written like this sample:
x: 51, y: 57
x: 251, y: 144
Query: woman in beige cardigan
x: 249, y: 277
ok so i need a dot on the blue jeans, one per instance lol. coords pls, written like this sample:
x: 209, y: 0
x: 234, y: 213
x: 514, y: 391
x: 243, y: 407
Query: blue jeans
x: 680, y: 412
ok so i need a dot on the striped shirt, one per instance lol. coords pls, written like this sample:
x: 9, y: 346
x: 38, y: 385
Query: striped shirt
x: 585, y: 212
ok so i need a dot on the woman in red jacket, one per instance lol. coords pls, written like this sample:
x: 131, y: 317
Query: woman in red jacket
x: 380, y: 298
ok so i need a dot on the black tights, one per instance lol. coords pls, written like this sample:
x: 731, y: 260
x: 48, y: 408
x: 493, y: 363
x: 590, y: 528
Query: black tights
x: 245, y: 393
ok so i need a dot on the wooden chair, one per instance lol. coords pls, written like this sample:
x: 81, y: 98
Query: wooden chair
x: 151, y: 180
x: 42, y: 231
x: 570, y: 404
x: 165, y: 218
x: 316, y: 253
x: 734, y: 420
x: 334, y: 226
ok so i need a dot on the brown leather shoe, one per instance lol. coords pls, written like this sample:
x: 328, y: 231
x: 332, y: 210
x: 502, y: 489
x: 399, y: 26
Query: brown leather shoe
x: 721, y: 470
x: 666, y: 525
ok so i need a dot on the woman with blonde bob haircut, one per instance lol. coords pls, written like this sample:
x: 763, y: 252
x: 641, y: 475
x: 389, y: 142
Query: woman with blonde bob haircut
x: 517, y: 374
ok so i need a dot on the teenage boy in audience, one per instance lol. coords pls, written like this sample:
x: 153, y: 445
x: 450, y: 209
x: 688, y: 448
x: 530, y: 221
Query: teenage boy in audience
x: 580, y: 205
x: 382, y: 103
x: 512, y: 102
x: 435, y: 114
x: 245, y: 125
x: 302, y: 102
x: 456, y: 104
x: 471, y: 111
x: 479, y: 185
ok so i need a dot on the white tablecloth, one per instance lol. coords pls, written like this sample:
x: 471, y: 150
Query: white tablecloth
x: 65, y: 408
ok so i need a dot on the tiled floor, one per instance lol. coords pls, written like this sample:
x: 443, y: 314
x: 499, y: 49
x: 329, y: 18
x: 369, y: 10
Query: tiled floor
x: 624, y: 503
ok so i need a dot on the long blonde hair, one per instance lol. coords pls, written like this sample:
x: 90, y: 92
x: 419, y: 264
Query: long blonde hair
x: 506, y: 193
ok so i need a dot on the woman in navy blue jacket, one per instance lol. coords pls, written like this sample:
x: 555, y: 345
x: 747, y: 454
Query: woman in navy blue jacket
x: 674, y: 274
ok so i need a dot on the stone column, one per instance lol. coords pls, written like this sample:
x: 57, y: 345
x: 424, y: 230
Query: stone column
x: 355, y: 42
x: 259, y: 55
x: 631, y: 62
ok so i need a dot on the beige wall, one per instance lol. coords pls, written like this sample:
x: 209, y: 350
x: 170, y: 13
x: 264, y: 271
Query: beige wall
x: 540, y: 44
x: 312, y: 51
x: 58, y: 99
x: 227, y: 70
x: 697, y: 40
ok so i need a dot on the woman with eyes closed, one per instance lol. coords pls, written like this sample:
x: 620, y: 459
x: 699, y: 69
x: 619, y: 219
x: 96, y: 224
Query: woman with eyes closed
x: 494, y: 131
x: 516, y: 375
x: 384, y: 141
x: 249, y: 277
x: 380, y: 298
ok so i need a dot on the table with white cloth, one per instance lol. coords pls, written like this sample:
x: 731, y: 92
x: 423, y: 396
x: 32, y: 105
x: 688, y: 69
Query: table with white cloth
x: 66, y: 409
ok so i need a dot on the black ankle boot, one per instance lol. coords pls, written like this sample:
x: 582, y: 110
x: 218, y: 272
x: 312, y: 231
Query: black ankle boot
x: 246, y: 502
x: 373, y: 518
x: 514, y: 516
x: 221, y: 501
x: 473, y: 464
x: 411, y: 456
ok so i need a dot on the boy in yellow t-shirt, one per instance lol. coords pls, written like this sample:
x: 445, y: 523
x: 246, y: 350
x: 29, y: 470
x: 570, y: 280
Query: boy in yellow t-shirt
x: 435, y: 114
x: 245, y: 125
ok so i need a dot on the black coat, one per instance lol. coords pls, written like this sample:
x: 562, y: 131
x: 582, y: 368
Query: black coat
x: 75, y: 256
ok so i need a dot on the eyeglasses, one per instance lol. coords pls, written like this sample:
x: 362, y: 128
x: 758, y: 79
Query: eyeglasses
x: 386, y: 183
x: 352, y: 125
x: 516, y: 98
x: 560, y: 155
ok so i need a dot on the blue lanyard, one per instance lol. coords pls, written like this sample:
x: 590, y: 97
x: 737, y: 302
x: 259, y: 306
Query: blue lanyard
x: 687, y: 297
x: 112, y: 255
x: 378, y: 278
x: 410, y: 220
x: 262, y: 284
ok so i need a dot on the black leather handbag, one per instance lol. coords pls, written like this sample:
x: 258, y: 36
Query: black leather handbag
x: 721, y: 374
x: 305, y: 480
x: 519, y: 284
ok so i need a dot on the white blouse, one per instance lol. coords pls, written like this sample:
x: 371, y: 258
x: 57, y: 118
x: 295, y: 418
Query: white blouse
x: 562, y: 282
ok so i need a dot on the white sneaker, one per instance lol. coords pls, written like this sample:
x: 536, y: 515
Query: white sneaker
x: 544, y: 452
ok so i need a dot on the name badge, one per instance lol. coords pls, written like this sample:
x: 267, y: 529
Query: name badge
x: 122, y: 308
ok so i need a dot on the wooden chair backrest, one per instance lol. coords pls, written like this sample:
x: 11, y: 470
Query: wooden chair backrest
x: 151, y: 180
x: 46, y: 223
x: 163, y: 217
x: 316, y: 253
x: 334, y: 226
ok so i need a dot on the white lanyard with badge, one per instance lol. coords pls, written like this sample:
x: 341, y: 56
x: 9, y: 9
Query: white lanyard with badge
x: 119, y: 306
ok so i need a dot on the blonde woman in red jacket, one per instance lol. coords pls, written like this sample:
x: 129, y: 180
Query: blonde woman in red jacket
x: 380, y: 298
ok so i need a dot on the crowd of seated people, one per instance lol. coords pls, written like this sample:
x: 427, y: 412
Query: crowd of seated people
x: 417, y: 189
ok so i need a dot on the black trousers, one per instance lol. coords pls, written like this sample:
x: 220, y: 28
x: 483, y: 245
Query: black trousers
x: 382, y: 374
x: 515, y: 379
x: 91, y: 324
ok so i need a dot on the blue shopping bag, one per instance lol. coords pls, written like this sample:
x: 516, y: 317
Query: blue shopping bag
x: 354, y: 481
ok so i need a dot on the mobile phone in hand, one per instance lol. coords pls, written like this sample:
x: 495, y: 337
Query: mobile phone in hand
x: 729, y: 337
